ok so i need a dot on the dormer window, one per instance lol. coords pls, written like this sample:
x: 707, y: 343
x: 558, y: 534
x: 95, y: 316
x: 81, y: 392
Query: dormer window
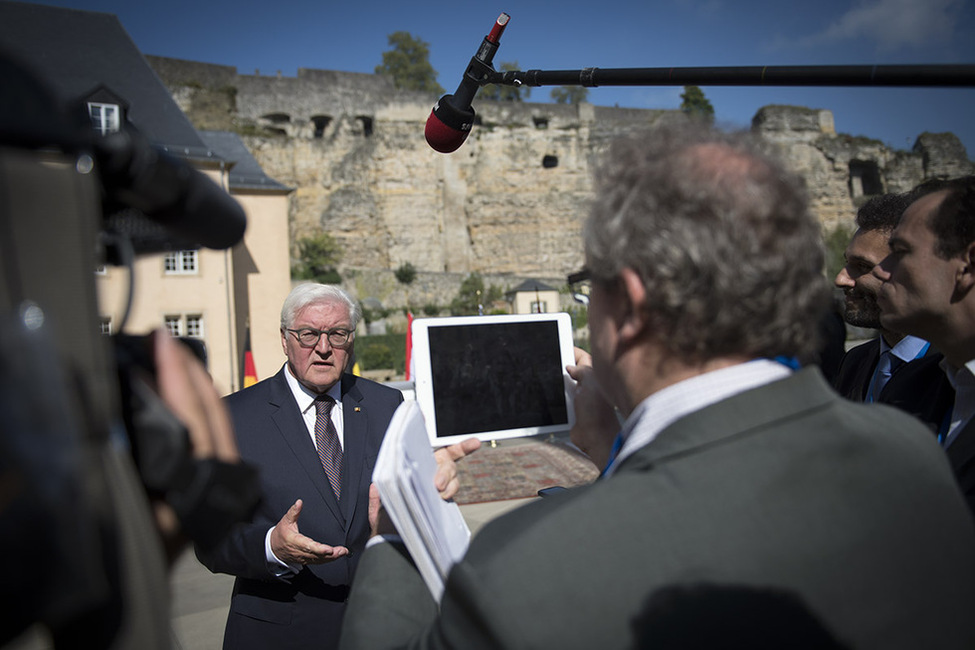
x: 104, y: 117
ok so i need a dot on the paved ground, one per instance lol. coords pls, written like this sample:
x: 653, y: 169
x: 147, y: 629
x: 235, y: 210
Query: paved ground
x: 201, y: 599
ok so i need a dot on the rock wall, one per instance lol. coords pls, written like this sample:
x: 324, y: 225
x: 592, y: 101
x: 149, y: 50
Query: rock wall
x: 511, y: 201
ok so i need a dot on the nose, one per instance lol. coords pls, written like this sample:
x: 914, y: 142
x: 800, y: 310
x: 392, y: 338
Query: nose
x: 323, y: 345
x: 883, y: 268
x: 843, y: 280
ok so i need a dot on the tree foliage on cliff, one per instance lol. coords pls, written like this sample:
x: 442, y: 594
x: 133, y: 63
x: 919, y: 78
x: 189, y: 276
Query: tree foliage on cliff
x: 318, y: 257
x: 570, y: 94
x: 836, y: 240
x: 504, y: 93
x: 696, y: 105
x: 408, y: 63
x: 473, y: 298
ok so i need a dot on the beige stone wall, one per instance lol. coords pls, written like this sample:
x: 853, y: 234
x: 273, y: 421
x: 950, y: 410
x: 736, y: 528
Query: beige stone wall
x: 230, y: 287
x: 263, y: 277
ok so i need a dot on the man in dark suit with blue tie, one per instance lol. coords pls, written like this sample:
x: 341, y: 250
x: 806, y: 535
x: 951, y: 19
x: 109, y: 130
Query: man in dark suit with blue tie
x: 929, y: 290
x: 314, y: 431
x: 893, y: 368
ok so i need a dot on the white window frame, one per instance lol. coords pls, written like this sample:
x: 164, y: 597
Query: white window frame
x: 106, y: 325
x: 174, y: 324
x: 539, y: 306
x: 181, y: 263
x: 194, y: 326
x: 105, y: 118
x: 190, y: 325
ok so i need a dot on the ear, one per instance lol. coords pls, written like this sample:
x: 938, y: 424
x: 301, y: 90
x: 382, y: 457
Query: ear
x: 284, y: 341
x: 635, y: 296
x: 965, y: 276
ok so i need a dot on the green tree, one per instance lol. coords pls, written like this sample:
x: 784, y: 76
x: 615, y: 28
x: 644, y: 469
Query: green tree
x: 836, y: 240
x: 473, y: 297
x: 318, y: 257
x: 408, y: 63
x: 696, y: 105
x: 406, y: 273
x: 503, y: 93
x: 570, y: 94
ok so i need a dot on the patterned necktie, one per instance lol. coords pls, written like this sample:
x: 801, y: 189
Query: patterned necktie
x: 327, y: 441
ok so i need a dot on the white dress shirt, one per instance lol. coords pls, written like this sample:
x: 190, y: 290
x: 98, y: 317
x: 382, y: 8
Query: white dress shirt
x: 963, y: 381
x: 306, y: 405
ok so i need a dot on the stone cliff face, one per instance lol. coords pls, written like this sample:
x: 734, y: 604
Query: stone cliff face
x: 512, y: 199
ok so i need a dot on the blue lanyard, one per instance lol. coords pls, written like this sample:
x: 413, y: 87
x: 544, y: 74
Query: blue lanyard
x: 613, y: 453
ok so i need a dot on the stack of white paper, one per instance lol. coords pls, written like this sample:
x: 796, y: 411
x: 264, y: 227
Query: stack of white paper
x: 433, y: 530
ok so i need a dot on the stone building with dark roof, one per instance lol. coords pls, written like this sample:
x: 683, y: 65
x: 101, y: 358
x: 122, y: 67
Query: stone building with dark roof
x: 91, y: 64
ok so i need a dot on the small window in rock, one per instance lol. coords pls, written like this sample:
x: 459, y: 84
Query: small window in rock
x: 549, y: 162
x: 366, y: 123
x: 541, y: 122
x: 321, y: 123
x: 865, y: 178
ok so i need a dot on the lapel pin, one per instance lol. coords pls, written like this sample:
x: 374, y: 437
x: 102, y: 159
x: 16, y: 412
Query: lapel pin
x: 357, y: 409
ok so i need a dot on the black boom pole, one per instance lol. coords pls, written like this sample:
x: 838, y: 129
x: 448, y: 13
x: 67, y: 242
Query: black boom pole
x: 946, y: 76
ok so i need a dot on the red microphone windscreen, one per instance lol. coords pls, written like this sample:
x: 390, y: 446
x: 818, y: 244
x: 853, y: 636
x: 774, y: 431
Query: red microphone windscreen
x: 442, y: 137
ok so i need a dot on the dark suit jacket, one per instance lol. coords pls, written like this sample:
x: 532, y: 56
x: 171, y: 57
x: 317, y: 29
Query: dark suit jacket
x: 918, y: 387
x: 305, y: 610
x: 787, y: 486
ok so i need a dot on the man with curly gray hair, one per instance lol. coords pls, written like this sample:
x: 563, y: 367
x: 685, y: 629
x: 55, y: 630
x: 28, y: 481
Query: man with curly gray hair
x: 735, y: 471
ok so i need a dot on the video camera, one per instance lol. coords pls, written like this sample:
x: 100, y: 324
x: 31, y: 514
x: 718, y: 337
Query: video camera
x: 84, y: 433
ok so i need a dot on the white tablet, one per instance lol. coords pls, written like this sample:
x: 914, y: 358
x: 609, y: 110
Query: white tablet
x: 493, y: 377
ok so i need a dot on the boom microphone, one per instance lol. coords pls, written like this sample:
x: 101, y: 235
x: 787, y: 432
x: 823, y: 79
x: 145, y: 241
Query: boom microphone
x: 452, y: 117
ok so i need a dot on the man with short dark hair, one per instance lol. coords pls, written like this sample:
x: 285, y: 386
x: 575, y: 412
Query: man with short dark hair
x: 893, y: 368
x: 734, y: 470
x: 929, y: 291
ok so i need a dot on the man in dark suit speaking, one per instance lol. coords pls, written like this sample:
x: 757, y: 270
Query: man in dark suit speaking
x: 314, y: 431
x: 735, y: 472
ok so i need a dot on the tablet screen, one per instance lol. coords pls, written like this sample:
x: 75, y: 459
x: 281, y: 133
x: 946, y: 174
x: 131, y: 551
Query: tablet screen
x: 493, y: 376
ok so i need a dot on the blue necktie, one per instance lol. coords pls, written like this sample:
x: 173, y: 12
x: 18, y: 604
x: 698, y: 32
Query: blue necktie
x: 885, y: 368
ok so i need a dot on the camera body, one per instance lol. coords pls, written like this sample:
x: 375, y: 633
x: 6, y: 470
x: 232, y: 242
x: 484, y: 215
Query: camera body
x: 87, y: 442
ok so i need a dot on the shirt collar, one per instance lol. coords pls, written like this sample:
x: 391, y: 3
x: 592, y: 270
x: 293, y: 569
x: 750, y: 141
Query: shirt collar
x: 960, y: 378
x: 305, y: 397
x: 659, y: 410
x: 908, y: 348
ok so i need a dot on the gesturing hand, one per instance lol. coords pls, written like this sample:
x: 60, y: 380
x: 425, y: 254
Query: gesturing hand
x: 291, y: 547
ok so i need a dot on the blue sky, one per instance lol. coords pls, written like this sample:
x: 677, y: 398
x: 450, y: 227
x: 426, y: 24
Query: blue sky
x: 570, y: 34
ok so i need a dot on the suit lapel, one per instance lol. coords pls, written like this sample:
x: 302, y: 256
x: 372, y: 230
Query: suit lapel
x: 961, y: 454
x: 865, y: 373
x: 291, y: 427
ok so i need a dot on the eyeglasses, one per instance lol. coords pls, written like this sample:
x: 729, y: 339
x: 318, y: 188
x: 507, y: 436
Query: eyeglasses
x: 578, y: 276
x: 579, y: 291
x: 308, y: 337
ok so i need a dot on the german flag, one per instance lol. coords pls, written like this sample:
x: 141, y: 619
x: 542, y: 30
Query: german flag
x: 250, y: 373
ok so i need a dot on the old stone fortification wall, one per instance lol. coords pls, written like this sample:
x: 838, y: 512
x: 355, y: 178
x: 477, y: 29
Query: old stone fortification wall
x: 511, y: 201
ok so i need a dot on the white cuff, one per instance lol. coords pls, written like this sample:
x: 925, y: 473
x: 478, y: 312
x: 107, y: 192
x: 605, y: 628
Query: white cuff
x: 277, y: 568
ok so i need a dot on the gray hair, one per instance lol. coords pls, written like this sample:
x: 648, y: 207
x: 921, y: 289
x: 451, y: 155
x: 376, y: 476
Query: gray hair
x: 720, y: 234
x: 311, y: 293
